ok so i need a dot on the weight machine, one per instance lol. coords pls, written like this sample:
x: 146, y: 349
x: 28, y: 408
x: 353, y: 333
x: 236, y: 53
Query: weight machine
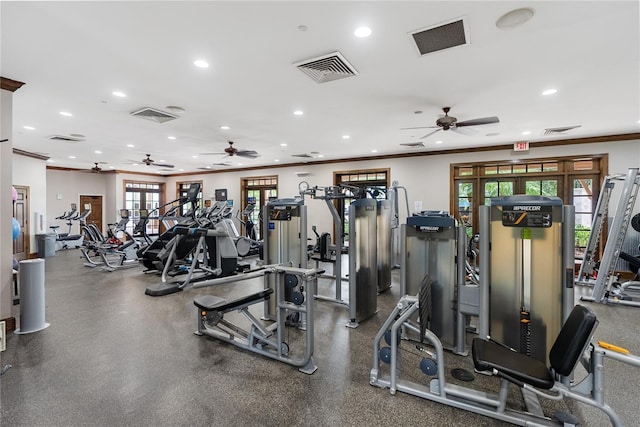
x: 532, y: 376
x: 265, y: 339
x: 604, y: 289
x: 369, y: 248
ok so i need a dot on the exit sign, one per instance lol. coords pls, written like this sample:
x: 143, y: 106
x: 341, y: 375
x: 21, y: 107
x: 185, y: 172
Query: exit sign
x: 521, y: 146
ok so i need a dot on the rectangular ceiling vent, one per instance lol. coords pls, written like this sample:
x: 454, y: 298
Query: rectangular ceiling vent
x: 444, y: 36
x: 325, y: 68
x: 65, y: 138
x: 154, y: 115
x: 559, y: 130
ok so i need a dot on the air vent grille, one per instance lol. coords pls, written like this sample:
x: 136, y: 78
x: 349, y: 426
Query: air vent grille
x: 442, y: 37
x: 559, y: 130
x: 325, y: 68
x: 154, y: 115
x: 65, y: 138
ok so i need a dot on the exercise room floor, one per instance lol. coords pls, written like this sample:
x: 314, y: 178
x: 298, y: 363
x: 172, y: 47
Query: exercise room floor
x: 114, y: 356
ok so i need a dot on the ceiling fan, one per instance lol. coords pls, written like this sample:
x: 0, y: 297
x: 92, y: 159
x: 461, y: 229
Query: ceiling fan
x: 97, y: 168
x: 448, y: 122
x: 150, y: 162
x: 232, y: 151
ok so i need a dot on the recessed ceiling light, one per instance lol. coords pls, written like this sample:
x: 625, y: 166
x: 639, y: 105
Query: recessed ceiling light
x: 171, y: 137
x: 175, y: 108
x: 362, y: 32
x: 638, y: 121
x: 239, y: 164
x: 72, y: 157
x: 225, y: 127
x: 195, y: 157
x: 374, y: 151
x: 50, y: 160
x: 98, y: 152
x: 201, y: 63
x: 181, y: 170
x: 515, y: 18
x: 283, y: 145
x: 130, y: 145
x: 298, y: 113
x: 111, y: 167
x: 346, y: 136
x: 320, y: 155
x: 66, y: 114
x: 118, y: 94
x: 29, y: 127
x: 276, y: 160
x: 134, y: 164
x: 208, y: 167
x: 526, y: 132
x: 439, y: 142
x: 162, y: 161
x: 549, y: 91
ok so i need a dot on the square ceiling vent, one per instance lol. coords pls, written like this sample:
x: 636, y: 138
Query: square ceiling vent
x: 154, y: 115
x: 441, y: 37
x: 325, y: 68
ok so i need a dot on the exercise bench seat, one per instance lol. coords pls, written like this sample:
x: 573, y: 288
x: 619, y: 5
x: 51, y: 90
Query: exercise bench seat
x: 572, y: 341
x: 213, y: 303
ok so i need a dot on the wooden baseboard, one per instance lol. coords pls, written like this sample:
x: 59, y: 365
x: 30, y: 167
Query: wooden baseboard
x: 10, y: 324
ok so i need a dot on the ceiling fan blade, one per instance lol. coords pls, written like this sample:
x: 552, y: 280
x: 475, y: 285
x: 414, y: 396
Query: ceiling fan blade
x: 477, y: 122
x: 430, y: 133
x: 413, y: 144
x: 420, y: 127
x: 465, y: 130
x: 250, y: 154
x: 211, y: 154
x: 163, y: 165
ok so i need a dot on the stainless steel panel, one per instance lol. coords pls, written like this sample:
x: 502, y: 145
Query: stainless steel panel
x: 434, y: 253
x: 384, y: 212
x: 543, y: 270
x: 363, y: 259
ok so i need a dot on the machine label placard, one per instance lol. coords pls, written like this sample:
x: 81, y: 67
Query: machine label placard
x: 534, y: 216
x: 280, y: 215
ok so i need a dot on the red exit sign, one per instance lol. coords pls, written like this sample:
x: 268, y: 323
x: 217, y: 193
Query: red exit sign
x: 521, y: 146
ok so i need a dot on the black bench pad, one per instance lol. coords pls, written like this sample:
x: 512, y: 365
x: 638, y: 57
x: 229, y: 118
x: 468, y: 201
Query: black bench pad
x: 489, y: 355
x: 213, y: 303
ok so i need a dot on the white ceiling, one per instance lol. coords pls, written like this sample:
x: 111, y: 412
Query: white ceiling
x: 73, y: 55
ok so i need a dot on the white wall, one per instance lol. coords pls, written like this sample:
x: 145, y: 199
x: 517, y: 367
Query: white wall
x: 6, y: 208
x: 425, y: 177
x: 32, y: 173
x: 65, y: 187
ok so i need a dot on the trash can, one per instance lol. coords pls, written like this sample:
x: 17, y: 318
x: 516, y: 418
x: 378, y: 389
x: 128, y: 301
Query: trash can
x: 46, y: 245
x: 32, y: 305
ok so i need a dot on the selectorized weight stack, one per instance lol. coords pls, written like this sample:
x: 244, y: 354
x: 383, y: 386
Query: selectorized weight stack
x: 285, y: 241
x: 432, y: 244
x: 363, y: 260
x: 526, y: 271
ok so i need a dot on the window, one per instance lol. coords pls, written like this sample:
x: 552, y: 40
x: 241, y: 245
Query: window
x: 143, y: 195
x: 257, y: 191
x: 574, y: 180
x: 374, y: 179
x: 182, y: 190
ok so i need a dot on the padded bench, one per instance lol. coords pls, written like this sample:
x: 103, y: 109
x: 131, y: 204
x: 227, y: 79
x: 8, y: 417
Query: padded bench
x: 214, y: 303
x: 572, y: 341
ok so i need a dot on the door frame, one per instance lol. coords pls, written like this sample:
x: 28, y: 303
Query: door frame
x: 81, y: 208
x: 26, y: 228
